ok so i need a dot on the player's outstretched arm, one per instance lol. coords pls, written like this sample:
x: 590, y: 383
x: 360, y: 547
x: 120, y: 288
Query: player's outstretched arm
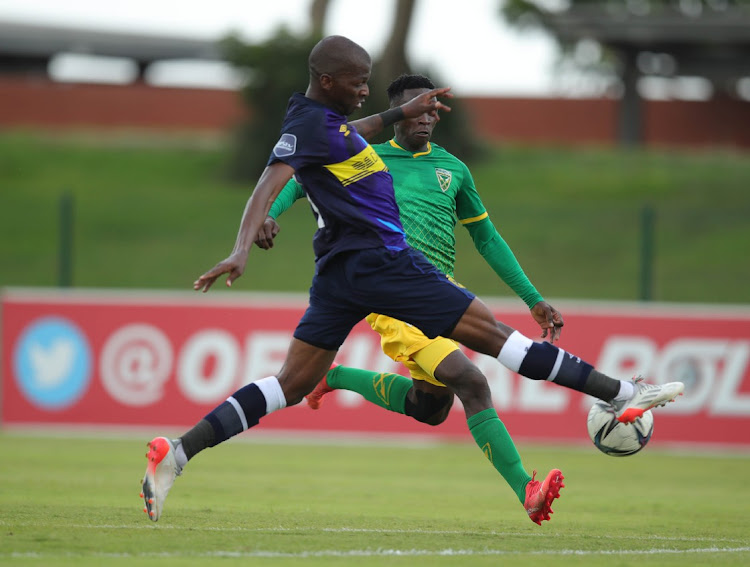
x: 500, y: 257
x: 426, y: 102
x: 269, y: 185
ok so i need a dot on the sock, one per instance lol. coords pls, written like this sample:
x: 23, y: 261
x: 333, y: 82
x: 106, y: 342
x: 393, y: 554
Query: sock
x: 495, y: 441
x: 383, y: 389
x: 179, y: 453
x: 627, y: 389
x: 198, y: 438
x: 241, y: 411
x: 545, y: 361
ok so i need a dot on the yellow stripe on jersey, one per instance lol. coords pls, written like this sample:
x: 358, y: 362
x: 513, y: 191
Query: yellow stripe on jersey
x: 484, y: 215
x: 424, y: 153
x: 357, y: 167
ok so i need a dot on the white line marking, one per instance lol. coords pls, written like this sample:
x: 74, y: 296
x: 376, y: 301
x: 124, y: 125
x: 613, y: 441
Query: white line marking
x: 281, y: 529
x: 384, y: 553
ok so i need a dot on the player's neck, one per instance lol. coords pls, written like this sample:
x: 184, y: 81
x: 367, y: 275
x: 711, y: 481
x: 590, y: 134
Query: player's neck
x: 410, y: 148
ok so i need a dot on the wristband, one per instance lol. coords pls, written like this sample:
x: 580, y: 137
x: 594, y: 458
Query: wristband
x: 391, y: 116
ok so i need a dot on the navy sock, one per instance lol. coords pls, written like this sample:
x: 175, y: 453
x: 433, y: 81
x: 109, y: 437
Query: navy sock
x: 241, y: 411
x: 545, y: 361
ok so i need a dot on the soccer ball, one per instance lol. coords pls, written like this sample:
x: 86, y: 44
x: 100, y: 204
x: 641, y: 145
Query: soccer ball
x: 614, y: 438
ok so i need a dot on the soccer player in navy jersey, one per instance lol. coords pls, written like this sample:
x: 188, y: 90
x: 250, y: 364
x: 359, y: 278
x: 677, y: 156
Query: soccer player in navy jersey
x: 364, y: 265
x: 433, y: 190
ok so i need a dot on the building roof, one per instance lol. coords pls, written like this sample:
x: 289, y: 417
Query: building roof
x: 615, y: 24
x: 714, y: 44
x: 33, y: 42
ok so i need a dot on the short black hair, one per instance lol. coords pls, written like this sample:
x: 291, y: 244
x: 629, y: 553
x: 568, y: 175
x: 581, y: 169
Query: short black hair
x: 406, y: 82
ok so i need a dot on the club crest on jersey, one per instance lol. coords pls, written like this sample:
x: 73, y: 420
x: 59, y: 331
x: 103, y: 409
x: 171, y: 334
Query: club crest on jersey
x: 444, y: 178
x: 286, y: 145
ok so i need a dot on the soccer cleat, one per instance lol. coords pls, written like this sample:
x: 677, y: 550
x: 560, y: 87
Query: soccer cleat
x: 540, y: 495
x: 315, y: 398
x: 161, y: 471
x: 645, y: 397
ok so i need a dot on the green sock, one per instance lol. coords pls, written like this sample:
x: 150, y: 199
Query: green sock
x: 383, y: 389
x: 495, y: 441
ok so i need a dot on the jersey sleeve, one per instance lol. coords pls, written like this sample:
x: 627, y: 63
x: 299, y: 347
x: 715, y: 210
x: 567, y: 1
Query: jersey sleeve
x: 303, y: 141
x: 501, y: 259
x: 469, y: 206
x: 289, y: 194
x: 488, y: 242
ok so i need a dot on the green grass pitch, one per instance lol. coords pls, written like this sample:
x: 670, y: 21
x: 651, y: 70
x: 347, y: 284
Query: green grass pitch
x: 74, y: 501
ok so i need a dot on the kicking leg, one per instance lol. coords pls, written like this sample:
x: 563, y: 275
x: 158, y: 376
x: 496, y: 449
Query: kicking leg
x: 479, y: 330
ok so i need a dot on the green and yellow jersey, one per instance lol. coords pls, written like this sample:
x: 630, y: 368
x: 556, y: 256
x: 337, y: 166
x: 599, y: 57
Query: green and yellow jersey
x: 434, y: 190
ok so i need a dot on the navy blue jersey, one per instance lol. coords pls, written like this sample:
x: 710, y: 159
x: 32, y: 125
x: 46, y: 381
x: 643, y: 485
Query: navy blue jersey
x: 346, y: 182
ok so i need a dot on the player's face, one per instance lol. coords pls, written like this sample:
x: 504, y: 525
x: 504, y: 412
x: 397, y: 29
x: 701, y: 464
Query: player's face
x: 414, y: 133
x: 349, y: 90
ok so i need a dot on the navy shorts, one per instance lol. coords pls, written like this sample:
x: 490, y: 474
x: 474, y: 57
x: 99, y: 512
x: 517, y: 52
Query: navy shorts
x: 402, y: 284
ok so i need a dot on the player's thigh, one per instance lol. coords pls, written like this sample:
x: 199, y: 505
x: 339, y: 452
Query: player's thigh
x: 478, y: 329
x: 407, y: 287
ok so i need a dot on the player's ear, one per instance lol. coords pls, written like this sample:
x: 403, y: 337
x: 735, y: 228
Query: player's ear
x: 326, y: 81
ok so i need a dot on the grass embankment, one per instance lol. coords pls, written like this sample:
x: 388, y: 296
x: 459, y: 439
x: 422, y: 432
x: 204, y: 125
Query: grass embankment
x: 156, y: 215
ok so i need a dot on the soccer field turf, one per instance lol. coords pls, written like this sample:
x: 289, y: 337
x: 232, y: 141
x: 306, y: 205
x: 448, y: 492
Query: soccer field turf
x: 74, y: 501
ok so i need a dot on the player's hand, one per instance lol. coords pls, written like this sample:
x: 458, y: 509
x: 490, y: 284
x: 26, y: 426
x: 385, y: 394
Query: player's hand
x: 549, y: 319
x: 427, y: 102
x: 267, y: 233
x: 234, y: 265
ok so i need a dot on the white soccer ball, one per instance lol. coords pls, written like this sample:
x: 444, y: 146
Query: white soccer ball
x: 614, y: 438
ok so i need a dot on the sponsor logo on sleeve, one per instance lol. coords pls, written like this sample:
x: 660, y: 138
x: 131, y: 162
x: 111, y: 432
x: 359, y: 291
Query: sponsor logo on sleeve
x: 286, y: 145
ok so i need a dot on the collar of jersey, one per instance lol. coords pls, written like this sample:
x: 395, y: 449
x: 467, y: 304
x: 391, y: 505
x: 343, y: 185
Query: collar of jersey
x: 395, y: 145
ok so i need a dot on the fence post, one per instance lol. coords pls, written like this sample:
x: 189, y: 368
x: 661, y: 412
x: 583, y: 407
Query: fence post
x: 648, y: 222
x: 65, y: 275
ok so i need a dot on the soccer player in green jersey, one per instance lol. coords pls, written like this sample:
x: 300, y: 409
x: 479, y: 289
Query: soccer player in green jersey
x: 433, y: 188
x: 360, y: 238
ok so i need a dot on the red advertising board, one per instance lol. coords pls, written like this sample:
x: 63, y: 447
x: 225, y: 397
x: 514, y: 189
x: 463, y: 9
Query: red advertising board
x: 93, y: 358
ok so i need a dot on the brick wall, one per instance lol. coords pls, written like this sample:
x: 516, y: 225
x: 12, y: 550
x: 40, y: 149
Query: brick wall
x: 39, y: 103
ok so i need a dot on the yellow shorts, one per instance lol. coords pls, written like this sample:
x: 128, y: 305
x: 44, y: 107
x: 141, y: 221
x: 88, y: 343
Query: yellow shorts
x: 406, y: 344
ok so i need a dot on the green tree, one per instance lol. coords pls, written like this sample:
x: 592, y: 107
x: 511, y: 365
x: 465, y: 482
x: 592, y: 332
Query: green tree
x: 275, y: 69
x: 278, y: 67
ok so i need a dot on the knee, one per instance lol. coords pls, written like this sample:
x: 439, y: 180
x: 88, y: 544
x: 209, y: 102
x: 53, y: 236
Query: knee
x: 429, y: 408
x: 471, y: 387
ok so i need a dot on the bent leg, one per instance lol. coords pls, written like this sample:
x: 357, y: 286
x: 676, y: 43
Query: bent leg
x: 303, y: 367
x: 461, y: 375
x: 423, y: 398
x: 489, y: 433
x: 384, y: 389
x: 428, y: 403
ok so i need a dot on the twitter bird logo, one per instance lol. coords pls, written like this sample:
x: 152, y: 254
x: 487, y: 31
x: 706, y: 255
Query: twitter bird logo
x: 52, y: 363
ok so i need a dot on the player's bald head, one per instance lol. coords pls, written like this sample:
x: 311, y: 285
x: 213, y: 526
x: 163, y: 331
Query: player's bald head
x: 336, y: 55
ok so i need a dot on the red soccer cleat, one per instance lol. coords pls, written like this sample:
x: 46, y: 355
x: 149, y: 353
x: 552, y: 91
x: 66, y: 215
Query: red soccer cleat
x: 160, y: 474
x: 315, y: 398
x: 540, y: 495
